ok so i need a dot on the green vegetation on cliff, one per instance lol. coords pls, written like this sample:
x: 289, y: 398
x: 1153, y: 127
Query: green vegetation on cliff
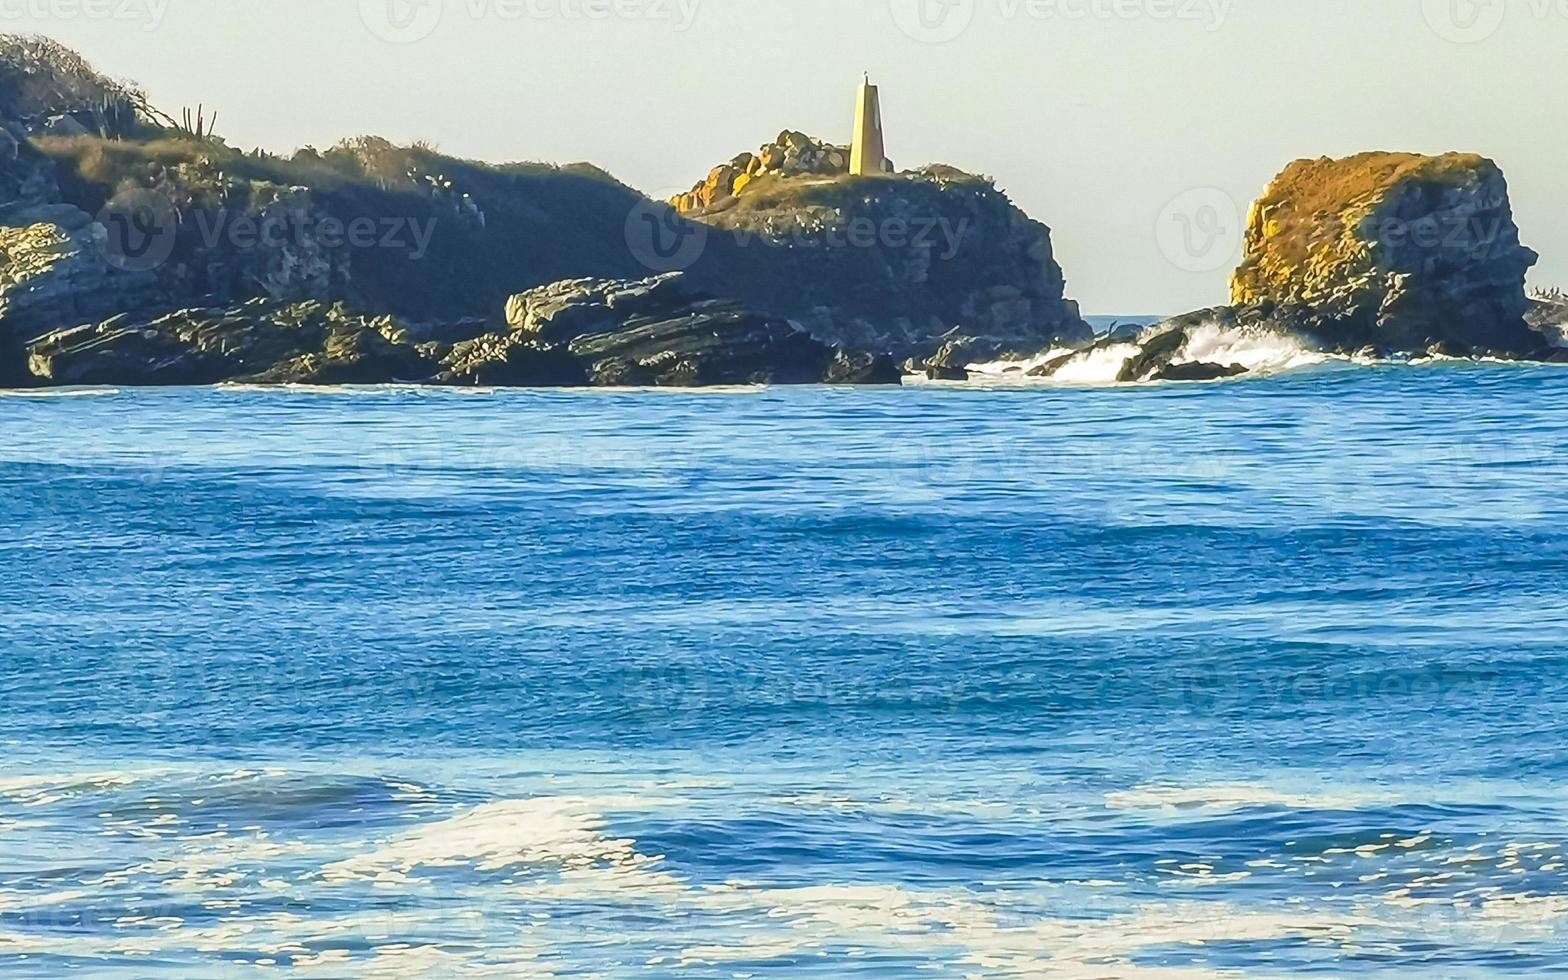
x: 494, y: 229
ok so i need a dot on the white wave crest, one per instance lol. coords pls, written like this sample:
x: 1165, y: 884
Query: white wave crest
x: 1240, y: 796
x: 560, y: 833
x: 1100, y: 366
x: 58, y: 392
x: 1259, y: 350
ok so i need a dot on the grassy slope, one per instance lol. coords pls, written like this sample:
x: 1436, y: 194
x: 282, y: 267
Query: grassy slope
x: 542, y: 222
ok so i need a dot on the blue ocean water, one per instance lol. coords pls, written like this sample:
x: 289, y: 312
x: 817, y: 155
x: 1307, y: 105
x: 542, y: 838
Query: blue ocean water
x: 1261, y: 678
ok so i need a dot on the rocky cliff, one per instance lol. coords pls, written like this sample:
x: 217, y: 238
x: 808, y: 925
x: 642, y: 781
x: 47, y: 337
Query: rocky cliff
x: 1382, y: 255
x: 905, y: 263
x: 901, y: 265
x: 1393, y: 251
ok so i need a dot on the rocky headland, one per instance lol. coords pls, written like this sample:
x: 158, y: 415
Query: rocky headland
x: 138, y: 249
x: 252, y: 266
x: 1381, y: 256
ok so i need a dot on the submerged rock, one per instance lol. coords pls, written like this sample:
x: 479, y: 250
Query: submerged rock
x: 1198, y: 371
x: 1154, y: 357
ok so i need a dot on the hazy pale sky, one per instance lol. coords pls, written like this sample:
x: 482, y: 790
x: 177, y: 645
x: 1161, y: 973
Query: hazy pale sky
x: 1139, y: 130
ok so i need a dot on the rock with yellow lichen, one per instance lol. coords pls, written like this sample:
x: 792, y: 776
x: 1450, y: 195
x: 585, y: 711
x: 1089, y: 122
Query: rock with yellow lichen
x: 1395, y: 251
x: 54, y: 271
x: 793, y: 154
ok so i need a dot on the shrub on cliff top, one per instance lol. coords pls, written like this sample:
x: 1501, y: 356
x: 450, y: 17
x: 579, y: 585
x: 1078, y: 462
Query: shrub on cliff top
x: 41, y: 77
x: 495, y: 230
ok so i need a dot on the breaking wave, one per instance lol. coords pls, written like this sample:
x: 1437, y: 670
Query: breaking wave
x: 1258, y: 351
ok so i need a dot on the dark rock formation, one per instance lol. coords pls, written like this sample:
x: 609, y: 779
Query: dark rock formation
x: 511, y: 360
x: 562, y: 311
x: 860, y: 368
x: 1198, y: 371
x: 1548, y: 316
x: 261, y: 341
x: 661, y: 331
x: 665, y: 334
x: 1390, y: 250
x: 55, y: 270
x: 1155, y: 356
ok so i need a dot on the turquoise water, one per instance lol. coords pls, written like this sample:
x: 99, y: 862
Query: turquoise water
x: 1253, y: 679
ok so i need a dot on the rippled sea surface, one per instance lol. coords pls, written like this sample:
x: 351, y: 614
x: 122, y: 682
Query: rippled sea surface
x: 1255, y: 679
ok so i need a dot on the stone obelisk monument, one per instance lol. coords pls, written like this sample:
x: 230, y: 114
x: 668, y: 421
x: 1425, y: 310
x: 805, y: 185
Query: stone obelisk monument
x: 868, y: 153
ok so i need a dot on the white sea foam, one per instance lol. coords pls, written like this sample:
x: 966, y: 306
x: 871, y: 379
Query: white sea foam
x: 552, y: 882
x: 1017, y: 370
x: 560, y: 833
x: 1258, y: 350
x: 42, y: 790
x: 1240, y: 796
x: 1095, y: 367
x: 58, y: 392
x: 314, y: 389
